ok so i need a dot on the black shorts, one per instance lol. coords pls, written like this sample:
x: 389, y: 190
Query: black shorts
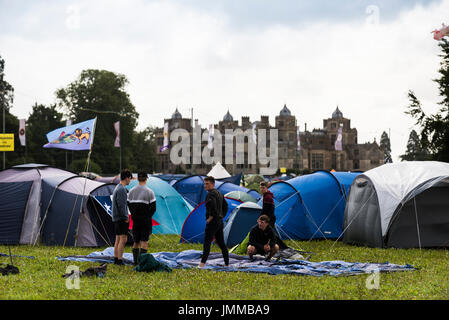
x: 121, y: 228
x: 142, y: 230
x: 259, y: 249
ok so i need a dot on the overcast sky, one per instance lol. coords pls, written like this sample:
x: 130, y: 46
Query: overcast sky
x: 248, y: 56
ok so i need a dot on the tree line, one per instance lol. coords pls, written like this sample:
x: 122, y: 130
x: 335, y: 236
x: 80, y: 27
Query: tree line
x: 95, y: 93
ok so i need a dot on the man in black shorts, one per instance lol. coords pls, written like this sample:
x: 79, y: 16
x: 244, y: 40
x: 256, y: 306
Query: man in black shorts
x: 142, y: 205
x: 262, y: 239
x: 120, y: 215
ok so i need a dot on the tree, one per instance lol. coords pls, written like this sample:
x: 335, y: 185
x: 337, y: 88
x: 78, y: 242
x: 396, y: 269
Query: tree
x: 6, y: 90
x: 41, y: 121
x: 415, y: 151
x: 11, y: 122
x: 145, y: 157
x: 385, y: 145
x: 102, y: 94
x: 434, y: 133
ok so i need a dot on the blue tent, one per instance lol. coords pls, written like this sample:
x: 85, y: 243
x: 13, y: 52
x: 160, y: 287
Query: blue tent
x: 192, y: 189
x: 240, y: 222
x: 194, y: 225
x: 171, y: 209
x: 312, y: 206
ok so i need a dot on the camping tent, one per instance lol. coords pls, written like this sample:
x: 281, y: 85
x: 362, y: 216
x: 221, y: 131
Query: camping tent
x: 171, y: 208
x: 219, y: 172
x: 192, y: 189
x: 402, y: 205
x: 241, y: 195
x: 311, y: 206
x: 240, y: 222
x: 47, y: 204
x: 194, y: 225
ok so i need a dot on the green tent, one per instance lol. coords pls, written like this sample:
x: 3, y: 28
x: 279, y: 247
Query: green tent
x: 240, y: 195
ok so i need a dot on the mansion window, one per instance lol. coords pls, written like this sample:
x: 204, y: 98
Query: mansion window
x: 317, y: 161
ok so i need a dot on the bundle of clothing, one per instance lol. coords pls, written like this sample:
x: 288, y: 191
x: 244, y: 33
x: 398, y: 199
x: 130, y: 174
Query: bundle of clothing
x: 9, y: 269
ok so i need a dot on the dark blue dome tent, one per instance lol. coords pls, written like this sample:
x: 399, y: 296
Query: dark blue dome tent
x: 240, y: 222
x: 311, y: 206
x: 41, y: 204
x: 195, y: 223
x: 192, y: 189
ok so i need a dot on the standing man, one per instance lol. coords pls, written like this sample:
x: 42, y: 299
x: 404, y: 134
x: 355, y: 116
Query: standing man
x: 268, y: 203
x: 142, y: 205
x: 216, y: 209
x: 262, y: 239
x: 120, y: 215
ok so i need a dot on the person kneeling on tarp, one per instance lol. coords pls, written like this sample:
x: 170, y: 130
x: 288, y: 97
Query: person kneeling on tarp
x: 262, y: 239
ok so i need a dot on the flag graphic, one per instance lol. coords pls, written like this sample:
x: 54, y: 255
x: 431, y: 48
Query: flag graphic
x: 254, y: 133
x: 166, y: 144
x: 298, y: 138
x: 338, y: 142
x: 117, y: 131
x: 76, y: 137
x: 22, y: 132
x: 210, y: 141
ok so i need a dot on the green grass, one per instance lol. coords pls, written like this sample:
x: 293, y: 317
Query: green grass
x: 41, y: 278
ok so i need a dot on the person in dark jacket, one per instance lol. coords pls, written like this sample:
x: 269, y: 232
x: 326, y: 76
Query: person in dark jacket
x: 267, y: 203
x: 142, y: 205
x: 216, y: 209
x: 120, y: 216
x: 262, y: 239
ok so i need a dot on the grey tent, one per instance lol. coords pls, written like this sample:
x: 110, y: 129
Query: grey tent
x: 401, y: 205
x: 41, y: 204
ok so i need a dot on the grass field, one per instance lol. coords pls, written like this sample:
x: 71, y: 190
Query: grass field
x: 41, y: 278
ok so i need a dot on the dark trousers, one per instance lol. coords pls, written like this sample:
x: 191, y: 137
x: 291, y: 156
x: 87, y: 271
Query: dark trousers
x: 214, y: 229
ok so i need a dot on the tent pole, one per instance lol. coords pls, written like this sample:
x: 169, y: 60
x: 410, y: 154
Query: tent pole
x: 417, y: 224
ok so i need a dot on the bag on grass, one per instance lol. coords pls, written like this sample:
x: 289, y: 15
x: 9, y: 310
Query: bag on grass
x: 147, y: 263
x: 9, y: 269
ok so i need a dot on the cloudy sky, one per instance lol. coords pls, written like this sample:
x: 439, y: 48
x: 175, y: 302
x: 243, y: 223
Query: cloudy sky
x: 248, y: 56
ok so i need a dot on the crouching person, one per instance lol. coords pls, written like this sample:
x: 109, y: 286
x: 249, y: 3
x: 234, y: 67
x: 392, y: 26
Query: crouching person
x: 262, y: 239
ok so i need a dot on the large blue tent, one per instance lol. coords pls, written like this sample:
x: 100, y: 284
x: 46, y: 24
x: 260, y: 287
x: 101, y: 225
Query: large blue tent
x: 312, y: 206
x: 192, y: 189
x: 194, y: 225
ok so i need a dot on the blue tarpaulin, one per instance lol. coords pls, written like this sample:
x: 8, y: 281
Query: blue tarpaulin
x: 191, y: 258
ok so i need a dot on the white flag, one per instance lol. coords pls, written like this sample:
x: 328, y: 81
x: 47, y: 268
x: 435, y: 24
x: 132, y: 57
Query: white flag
x: 338, y: 142
x: 166, y: 145
x: 254, y: 134
x: 117, y: 131
x: 22, y: 132
x: 210, y: 141
x: 298, y: 138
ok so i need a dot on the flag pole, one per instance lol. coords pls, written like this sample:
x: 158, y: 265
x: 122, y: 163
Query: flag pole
x: 120, y: 141
x: 85, y: 182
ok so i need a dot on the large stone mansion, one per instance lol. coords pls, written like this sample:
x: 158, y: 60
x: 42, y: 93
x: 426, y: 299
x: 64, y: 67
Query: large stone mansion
x: 315, y: 151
